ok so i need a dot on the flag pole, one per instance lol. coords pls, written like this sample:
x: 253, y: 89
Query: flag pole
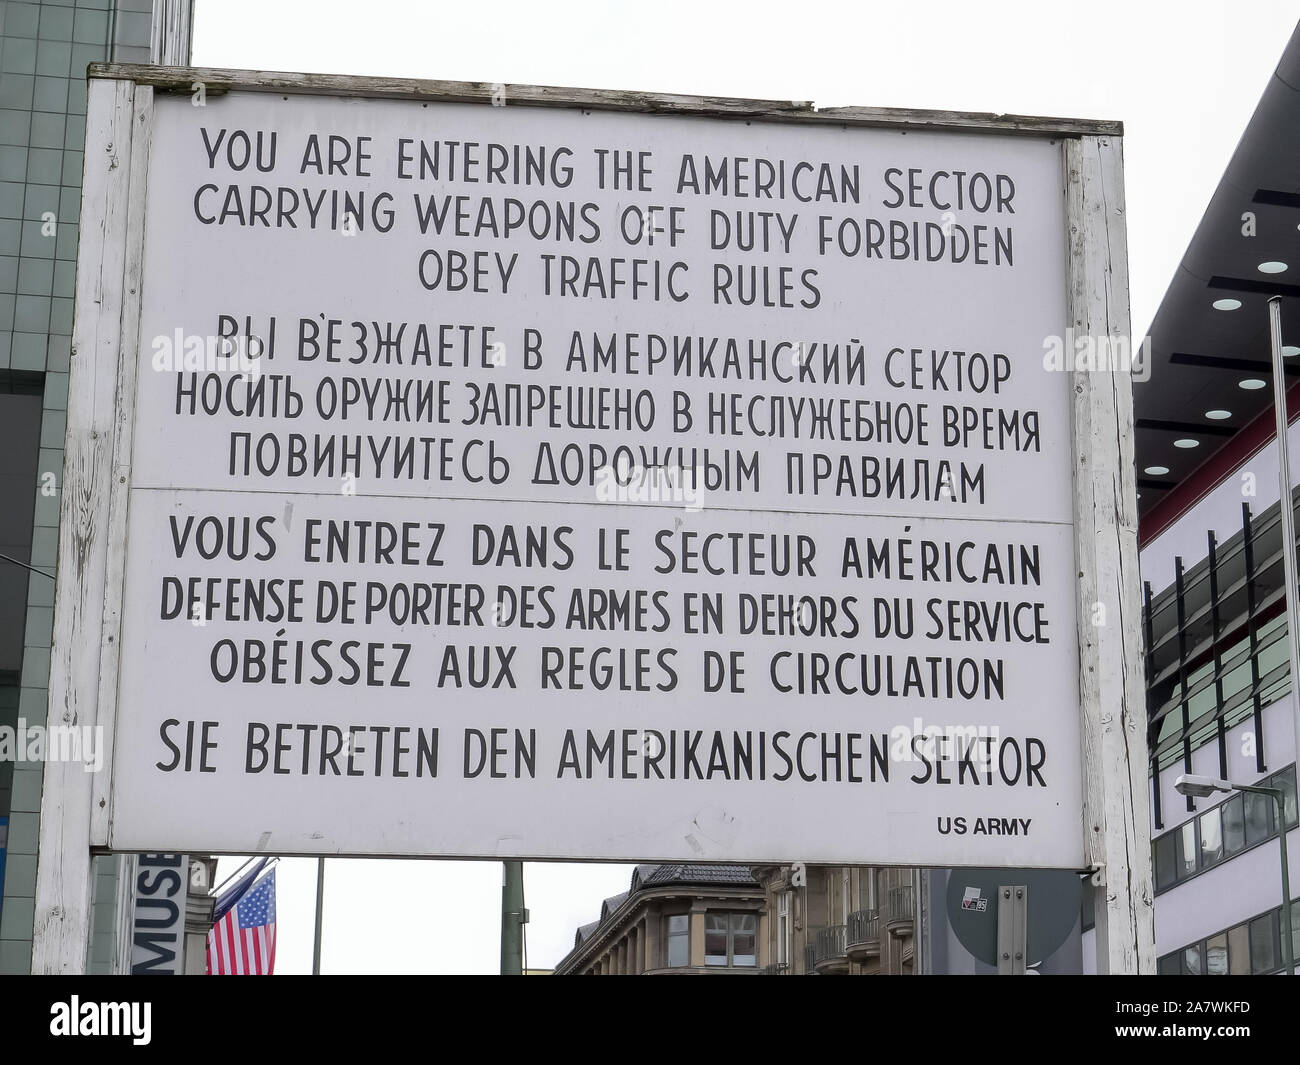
x: 234, y: 876
x: 271, y: 863
x: 320, y: 911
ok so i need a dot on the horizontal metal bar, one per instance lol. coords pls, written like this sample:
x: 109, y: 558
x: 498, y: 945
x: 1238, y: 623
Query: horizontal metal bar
x: 1259, y: 288
x: 1227, y: 362
x: 1184, y: 427
x: 1277, y: 198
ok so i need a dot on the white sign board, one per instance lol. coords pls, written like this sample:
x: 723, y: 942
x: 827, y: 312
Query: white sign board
x: 553, y: 483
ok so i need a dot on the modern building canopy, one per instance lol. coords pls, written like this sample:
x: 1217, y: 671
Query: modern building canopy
x: 1208, y: 401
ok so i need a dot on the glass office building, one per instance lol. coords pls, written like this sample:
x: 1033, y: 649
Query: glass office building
x: 44, y: 50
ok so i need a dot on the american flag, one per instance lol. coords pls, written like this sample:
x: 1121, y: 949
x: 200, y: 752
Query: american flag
x: 242, y: 942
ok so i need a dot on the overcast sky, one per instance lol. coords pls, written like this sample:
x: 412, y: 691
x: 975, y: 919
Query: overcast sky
x: 1184, y: 77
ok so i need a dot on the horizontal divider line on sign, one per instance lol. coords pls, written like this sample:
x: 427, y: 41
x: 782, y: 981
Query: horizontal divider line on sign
x: 291, y: 493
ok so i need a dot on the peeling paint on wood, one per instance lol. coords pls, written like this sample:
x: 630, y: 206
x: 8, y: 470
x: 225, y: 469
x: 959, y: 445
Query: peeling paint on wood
x: 216, y: 81
x: 123, y: 440
x: 60, y: 937
x: 1112, y: 694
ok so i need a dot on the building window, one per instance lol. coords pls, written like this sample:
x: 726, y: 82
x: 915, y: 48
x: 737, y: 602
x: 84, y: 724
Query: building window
x: 731, y: 939
x: 1238, y: 951
x: 783, y: 927
x: 679, y: 940
x: 1295, y: 928
x: 1286, y: 781
x: 1165, y: 861
x: 20, y: 439
x: 1216, y: 955
x: 1234, y: 825
x: 1222, y: 832
x: 867, y: 889
x: 1187, y: 849
x: 1211, y: 837
x: 744, y: 939
x: 1259, y: 817
x: 1263, y: 943
x: 1252, y: 947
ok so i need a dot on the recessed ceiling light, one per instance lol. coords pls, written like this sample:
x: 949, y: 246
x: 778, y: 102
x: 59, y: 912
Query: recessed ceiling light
x: 1290, y: 349
x: 1226, y: 304
x: 1251, y: 384
x: 1187, y: 442
x: 1272, y: 268
x: 1156, y: 471
x: 1218, y: 415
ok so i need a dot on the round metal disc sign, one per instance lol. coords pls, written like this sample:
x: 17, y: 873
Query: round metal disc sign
x: 1053, y: 903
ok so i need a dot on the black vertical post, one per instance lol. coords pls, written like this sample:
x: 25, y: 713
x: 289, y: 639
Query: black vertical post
x: 1153, y: 731
x: 1248, y: 543
x: 1182, y: 671
x: 1218, y: 676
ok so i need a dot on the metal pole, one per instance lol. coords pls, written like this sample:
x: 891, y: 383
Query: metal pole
x: 1279, y: 800
x: 1288, y: 516
x: 1292, y: 597
x: 921, y: 922
x: 1288, y: 953
x: 217, y: 891
x: 512, y: 919
x: 320, y: 913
